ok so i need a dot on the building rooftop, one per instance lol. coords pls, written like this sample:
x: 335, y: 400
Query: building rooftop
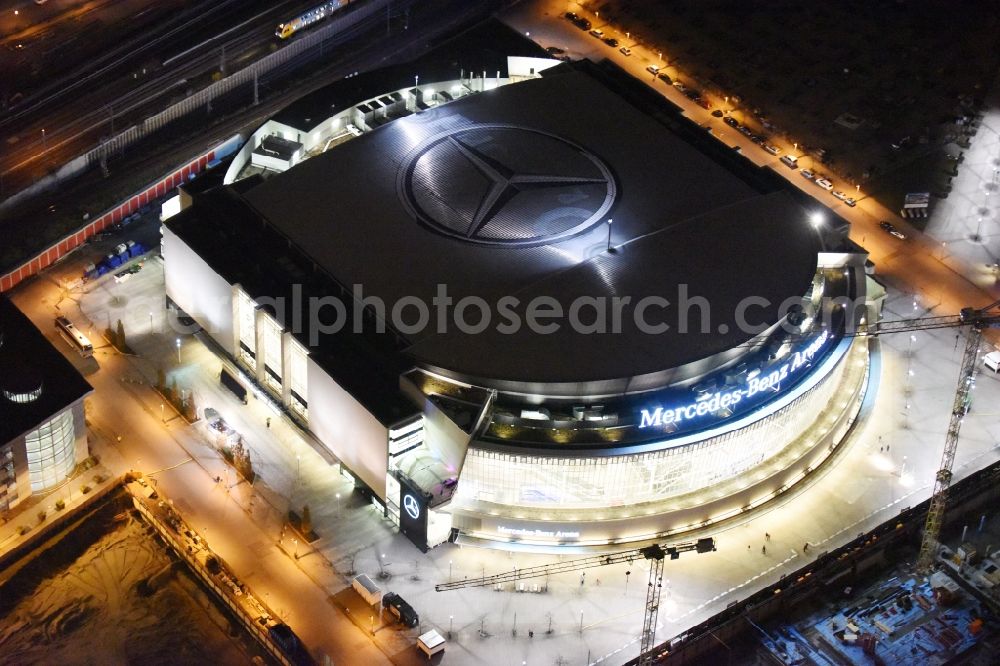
x: 36, y: 381
x: 508, y: 193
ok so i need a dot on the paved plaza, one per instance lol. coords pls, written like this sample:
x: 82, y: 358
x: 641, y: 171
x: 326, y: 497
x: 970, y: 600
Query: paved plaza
x: 967, y: 223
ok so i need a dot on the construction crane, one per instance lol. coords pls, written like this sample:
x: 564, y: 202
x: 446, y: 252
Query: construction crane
x: 656, y: 554
x: 976, y: 320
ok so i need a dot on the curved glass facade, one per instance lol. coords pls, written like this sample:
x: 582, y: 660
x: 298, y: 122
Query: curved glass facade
x: 23, y: 398
x: 51, y: 451
x: 595, y: 482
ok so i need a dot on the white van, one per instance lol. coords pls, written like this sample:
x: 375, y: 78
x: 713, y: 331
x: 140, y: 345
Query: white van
x: 992, y: 361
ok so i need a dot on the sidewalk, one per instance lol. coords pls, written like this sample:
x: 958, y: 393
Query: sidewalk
x: 27, y: 514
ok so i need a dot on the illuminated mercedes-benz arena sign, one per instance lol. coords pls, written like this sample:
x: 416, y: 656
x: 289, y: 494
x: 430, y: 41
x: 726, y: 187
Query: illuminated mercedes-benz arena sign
x: 567, y: 317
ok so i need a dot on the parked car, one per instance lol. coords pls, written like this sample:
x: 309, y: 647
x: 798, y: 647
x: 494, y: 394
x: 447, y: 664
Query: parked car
x: 732, y: 122
x: 771, y: 148
x: 901, y: 143
x: 850, y: 202
x: 582, y: 24
x: 663, y: 77
x: 891, y: 229
x: 403, y: 611
x: 625, y: 51
x: 717, y: 113
x: 790, y: 161
x: 571, y: 16
x: 807, y: 174
x: 839, y: 194
x: 744, y: 130
x: 703, y: 103
x: 611, y: 41
x: 824, y: 183
x: 653, y: 69
x: 597, y: 32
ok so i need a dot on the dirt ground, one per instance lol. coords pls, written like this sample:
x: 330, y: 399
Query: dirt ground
x: 84, y: 602
x: 852, y: 77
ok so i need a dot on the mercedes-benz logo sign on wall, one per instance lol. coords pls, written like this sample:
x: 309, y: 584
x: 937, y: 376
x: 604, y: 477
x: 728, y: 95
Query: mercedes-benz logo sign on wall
x: 411, y: 506
x: 502, y: 185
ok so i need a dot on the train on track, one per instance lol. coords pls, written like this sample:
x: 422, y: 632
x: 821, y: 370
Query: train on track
x: 314, y: 15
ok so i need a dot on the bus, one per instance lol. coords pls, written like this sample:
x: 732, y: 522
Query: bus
x: 75, y: 338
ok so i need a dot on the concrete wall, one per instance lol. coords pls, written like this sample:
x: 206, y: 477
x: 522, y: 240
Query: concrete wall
x: 347, y: 429
x: 198, y: 290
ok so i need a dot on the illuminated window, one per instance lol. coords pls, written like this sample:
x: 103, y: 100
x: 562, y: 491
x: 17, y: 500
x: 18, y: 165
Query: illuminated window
x: 246, y: 322
x: 51, y: 451
x: 271, y: 340
x: 23, y: 398
x: 298, y: 378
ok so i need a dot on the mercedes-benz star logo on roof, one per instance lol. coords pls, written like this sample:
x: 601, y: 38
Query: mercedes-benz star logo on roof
x: 505, y: 186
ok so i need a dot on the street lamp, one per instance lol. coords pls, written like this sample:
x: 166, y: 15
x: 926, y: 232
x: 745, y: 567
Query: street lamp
x: 178, y: 350
x: 816, y: 219
x: 610, y: 222
x: 44, y: 145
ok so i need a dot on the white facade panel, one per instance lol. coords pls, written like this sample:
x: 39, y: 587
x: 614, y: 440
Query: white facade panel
x: 198, y: 290
x: 348, y: 429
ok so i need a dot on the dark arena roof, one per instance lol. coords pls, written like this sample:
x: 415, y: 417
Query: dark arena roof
x: 29, y: 362
x: 509, y: 192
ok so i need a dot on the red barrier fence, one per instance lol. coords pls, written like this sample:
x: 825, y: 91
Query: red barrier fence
x: 151, y: 193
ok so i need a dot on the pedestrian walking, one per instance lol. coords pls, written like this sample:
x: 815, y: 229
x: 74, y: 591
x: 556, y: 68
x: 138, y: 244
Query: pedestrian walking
x: 767, y: 536
x: 268, y: 421
x: 582, y: 577
x: 748, y: 548
x: 805, y: 548
x: 763, y: 550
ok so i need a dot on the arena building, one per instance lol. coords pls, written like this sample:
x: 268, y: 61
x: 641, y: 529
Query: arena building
x: 528, y: 301
x: 42, y: 431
